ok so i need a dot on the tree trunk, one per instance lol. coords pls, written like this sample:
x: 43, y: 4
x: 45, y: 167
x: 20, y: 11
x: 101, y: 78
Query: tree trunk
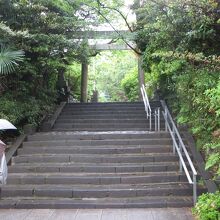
x: 84, y: 82
x: 141, y: 78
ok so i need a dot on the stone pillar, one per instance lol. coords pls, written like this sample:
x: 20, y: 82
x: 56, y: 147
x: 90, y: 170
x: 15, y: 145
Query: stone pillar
x: 84, y: 82
x: 95, y: 96
x: 141, y: 78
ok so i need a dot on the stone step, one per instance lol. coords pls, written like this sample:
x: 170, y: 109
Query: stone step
x: 80, y: 158
x: 116, y: 142
x: 95, y: 179
x: 99, y: 129
x: 96, y: 146
x: 110, y: 104
x: 104, y: 108
x: 101, y: 126
x: 104, y: 121
x: 99, y: 191
x: 114, y: 126
x: 96, y: 135
x: 107, y: 113
x: 101, y: 116
x: 138, y: 202
x: 93, y: 168
x: 93, y: 150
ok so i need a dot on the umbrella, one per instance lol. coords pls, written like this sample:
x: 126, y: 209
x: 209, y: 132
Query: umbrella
x: 6, y: 125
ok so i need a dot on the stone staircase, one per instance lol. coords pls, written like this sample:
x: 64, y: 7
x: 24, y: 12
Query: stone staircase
x: 97, y: 156
x: 104, y: 117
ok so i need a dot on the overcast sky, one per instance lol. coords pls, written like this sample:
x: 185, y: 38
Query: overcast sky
x: 120, y: 24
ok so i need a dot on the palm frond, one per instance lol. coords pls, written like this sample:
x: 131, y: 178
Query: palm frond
x: 9, y: 59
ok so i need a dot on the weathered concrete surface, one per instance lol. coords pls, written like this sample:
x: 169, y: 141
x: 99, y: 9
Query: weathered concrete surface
x: 98, y: 214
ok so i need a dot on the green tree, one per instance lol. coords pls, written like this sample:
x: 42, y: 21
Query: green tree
x: 180, y: 44
x: 107, y: 70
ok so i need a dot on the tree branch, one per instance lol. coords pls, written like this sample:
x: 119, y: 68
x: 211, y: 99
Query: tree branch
x: 119, y: 34
x: 119, y: 12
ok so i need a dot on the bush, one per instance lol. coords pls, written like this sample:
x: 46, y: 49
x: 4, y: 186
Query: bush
x: 27, y: 110
x: 208, y: 206
x: 130, y: 85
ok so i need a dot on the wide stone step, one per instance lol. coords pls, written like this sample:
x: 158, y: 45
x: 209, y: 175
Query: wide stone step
x: 106, y: 105
x: 105, y: 126
x: 101, y: 125
x: 138, y: 202
x: 94, y: 179
x: 96, y: 135
x: 103, y: 108
x: 99, y: 191
x: 103, y: 121
x: 110, y: 104
x: 153, y: 141
x: 101, y: 116
x: 113, y: 158
x: 93, y: 150
x: 93, y: 168
x: 110, y: 113
x: 97, y: 129
x: 98, y: 146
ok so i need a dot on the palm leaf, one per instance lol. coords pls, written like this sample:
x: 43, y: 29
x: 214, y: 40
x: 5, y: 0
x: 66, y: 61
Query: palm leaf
x: 9, y: 59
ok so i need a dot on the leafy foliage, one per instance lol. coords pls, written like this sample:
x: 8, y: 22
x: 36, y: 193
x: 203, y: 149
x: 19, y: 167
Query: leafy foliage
x: 108, y: 70
x: 48, y: 33
x: 180, y: 45
x: 130, y: 85
x: 8, y: 59
x: 44, y: 31
x: 208, y: 206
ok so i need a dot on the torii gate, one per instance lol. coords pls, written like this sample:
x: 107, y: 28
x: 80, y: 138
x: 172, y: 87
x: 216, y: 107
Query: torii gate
x: 105, y: 35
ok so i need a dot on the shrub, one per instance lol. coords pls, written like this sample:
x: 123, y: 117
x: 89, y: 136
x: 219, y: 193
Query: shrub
x: 130, y: 85
x: 208, y: 206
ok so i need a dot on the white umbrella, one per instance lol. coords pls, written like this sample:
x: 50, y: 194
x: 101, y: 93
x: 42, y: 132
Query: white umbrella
x: 5, y: 125
x: 2, y: 143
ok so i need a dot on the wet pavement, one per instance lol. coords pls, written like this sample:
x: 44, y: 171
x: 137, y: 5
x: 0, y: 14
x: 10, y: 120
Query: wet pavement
x: 97, y: 214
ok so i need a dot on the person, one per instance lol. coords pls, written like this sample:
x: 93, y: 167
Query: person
x: 3, y: 164
x: 2, y: 148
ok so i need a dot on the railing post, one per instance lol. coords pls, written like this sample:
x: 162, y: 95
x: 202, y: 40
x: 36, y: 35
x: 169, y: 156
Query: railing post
x: 179, y: 147
x: 194, y: 189
x: 166, y: 113
x: 181, y: 166
x: 155, y: 118
x: 150, y: 121
x: 174, y: 148
x: 158, y: 119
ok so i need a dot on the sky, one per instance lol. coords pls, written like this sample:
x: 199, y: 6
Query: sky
x: 129, y: 2
x: 121, y: 24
